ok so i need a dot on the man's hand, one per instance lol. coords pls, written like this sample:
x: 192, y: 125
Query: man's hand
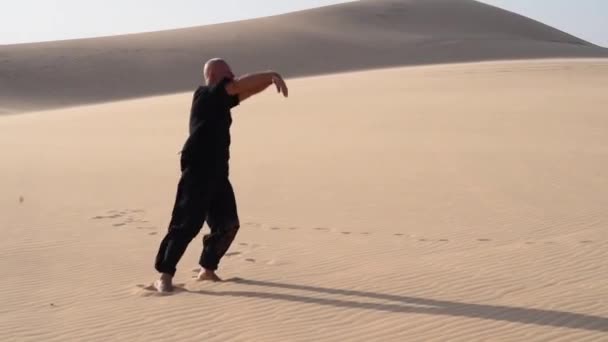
x: 278, y: 81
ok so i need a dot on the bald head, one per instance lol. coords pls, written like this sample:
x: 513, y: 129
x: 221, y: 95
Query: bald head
x: 215, y: 70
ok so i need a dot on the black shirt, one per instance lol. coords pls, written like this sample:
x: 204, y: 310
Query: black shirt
x: 210, y: 120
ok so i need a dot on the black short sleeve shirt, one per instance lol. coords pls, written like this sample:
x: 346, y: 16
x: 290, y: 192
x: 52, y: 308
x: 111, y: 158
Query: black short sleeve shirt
x: 210, y: 121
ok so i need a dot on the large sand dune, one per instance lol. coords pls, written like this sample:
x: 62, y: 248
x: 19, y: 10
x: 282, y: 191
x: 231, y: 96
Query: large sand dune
x: 351, y: 36
x: 451, y: 203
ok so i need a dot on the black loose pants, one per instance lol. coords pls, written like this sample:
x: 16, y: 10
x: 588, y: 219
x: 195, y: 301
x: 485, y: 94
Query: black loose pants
x: 201, y: 196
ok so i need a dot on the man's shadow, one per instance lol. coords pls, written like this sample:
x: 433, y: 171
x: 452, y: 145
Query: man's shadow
x: 404, y: 304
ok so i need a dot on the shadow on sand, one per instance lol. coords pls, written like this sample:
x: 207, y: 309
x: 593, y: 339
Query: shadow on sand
x: 404, y: 304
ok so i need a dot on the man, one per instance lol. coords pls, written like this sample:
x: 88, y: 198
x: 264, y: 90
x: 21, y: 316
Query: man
x: 204, y: 192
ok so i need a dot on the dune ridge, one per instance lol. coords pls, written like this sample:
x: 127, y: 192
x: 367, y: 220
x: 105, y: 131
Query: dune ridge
x: 346, y: 37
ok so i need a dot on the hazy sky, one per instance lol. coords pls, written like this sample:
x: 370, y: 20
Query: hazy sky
x: 40, y: 20
x: 586, y: 19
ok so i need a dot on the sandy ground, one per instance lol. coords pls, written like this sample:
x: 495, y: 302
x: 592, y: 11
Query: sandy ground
x: 458, y: 202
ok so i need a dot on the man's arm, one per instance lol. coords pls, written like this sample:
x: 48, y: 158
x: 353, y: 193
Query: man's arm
x: 251, y: 84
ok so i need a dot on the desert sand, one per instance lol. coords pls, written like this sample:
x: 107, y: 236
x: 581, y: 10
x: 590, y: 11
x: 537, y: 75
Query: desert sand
x: 441, y: 202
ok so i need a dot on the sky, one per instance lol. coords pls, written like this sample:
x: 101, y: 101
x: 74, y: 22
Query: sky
x: 586, y: 19
x: 24, y: 21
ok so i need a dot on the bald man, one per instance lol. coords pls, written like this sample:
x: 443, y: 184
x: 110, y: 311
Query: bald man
x: 204, y: 192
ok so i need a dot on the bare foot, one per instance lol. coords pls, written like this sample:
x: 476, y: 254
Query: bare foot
x: 209, y: 275
x: 164, y: 284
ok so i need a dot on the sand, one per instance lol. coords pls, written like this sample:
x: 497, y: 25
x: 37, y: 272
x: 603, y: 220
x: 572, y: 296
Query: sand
x: 438, y: 173
x: 462, y: 202
x: 354, y: 36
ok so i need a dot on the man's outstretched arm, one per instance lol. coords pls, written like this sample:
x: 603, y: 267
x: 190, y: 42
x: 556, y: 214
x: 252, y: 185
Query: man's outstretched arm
x: 251, y: 84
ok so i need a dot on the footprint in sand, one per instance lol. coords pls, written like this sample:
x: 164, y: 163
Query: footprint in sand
x: 149, y: 290
x: 127, y: 217
x: 586, y: 241
x: 364, y: 233
x: 423, y: 240
x: 293, y: 228
x: 229, y: 254
x: 484, y: 240
x: 322, y: 229
x: 346, y: 233
x: 275, y: 228
x: 101, y: 217
x: 398, y: 234
x: 250, y: 259
x: 113, y: 214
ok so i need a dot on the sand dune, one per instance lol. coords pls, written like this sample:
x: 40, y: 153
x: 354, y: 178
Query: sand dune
x: 351, y: 36
x: 466, y: 204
